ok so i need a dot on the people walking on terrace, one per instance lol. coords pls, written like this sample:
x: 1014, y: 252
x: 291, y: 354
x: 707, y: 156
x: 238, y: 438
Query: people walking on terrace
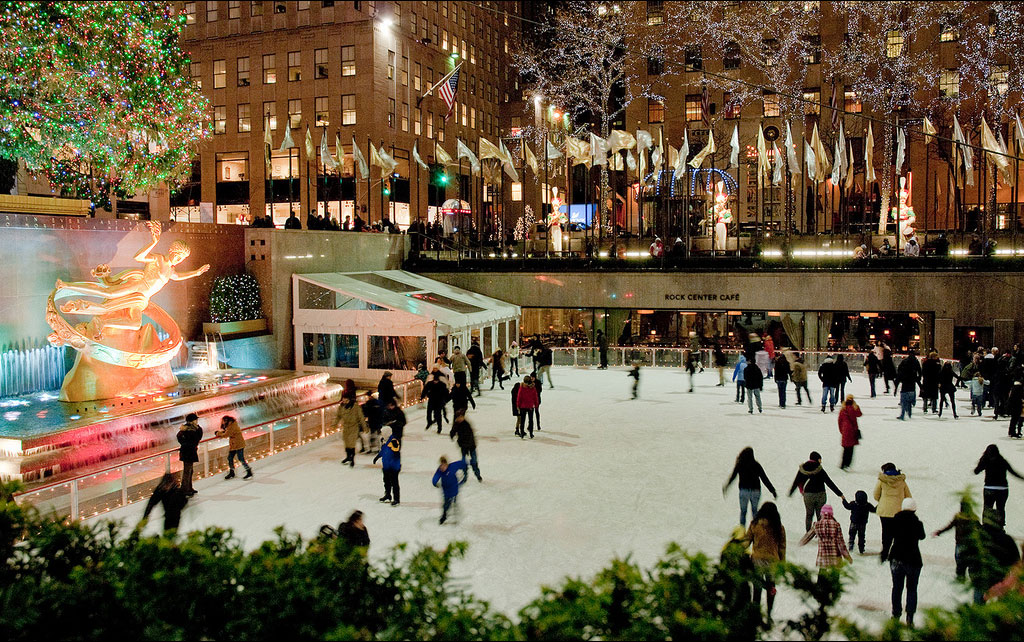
x: 189, y: 436
x: 236, y: 445
x: 737, y: 376
x: 799, y: 377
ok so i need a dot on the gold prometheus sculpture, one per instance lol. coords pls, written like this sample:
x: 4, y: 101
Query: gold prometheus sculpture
x: 119, y: 303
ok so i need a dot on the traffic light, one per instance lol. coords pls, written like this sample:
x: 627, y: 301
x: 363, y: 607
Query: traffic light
x: 385, y: 186
x: 438, y: 175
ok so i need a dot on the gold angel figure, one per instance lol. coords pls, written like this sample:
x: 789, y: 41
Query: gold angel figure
x: 126, y: 295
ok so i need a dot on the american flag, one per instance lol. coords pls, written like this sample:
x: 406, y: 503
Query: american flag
x: 705, y: 106
x: 834, y: 104
x: 447, y: 92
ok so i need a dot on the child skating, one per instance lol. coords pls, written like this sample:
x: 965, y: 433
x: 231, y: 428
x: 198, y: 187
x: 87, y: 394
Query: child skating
x: 635, y: 374
x: 447, y: 475
x: 860, y: 508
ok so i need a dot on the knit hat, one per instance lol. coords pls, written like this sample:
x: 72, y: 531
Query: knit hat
x: 826, y: 510
x: 909, y: 504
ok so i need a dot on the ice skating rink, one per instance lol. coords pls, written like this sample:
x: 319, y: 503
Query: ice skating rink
x: 608, y: 476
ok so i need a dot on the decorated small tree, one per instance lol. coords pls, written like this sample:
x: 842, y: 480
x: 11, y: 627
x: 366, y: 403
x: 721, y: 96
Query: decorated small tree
x: 235, y: 298
x: 97, y: 96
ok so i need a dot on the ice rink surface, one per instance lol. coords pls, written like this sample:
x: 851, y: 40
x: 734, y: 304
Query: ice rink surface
x: 608, y: 476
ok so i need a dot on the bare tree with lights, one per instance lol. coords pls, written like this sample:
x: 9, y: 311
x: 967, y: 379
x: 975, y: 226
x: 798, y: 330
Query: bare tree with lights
x: 580, y: 60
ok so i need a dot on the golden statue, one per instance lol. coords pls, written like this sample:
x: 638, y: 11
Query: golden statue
x: 119, y: 354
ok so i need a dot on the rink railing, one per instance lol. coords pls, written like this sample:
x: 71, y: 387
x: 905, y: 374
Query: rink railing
x: 658, y: 357
x: 104, y: 490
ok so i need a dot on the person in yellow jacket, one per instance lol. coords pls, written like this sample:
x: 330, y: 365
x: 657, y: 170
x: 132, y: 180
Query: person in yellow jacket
x: 890, y: 491
x: 236, y: 445
x: 352, y: 422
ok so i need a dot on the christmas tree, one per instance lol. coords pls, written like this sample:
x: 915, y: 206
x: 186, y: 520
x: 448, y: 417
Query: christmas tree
x: 97, y: 96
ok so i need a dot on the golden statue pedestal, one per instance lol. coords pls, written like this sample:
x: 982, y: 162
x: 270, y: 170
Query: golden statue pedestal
x: 90, y: 379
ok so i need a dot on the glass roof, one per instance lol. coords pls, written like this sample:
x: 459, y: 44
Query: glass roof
x: 445, y: 302
x: 383, y: 282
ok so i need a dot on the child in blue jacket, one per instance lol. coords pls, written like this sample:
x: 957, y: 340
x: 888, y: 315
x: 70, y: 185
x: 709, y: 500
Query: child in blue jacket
x: 447, y: 475
x: 737, y: 376
x: 391, y: 454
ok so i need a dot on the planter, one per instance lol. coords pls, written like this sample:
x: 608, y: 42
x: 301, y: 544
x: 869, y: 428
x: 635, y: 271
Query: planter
x: 236, y: 327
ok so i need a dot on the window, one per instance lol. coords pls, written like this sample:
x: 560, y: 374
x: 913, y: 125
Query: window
x: 320, y: 66
x: 417, y: 72
x: 234, y: 9
x: 395, y: 353
x: 655, y: 111
x: 220, y: 74
x: 190, y: 13
x: 851, y: 102
x: 771, y: 105
x: 812, y: 50
x: 242, y: 67
x: 731, y: 55
x: 244, y: 118
x: 444, y: 39
x: 999, y: 80
x: 232, y: 167
x: 405, y: 117
x: 348, y: 109
x: 303, y: 5
x: 423, y: 28
x: 294, y: 66
x: 472, y: 117
x: 220, y: 119
x: 733, y: 109
x: 391, y: 65
x: 463, y: 48
x: 348, y: 60
x: 655, y: 66
x: 517, y: 192
x: 433, y: 31
x: 949, y: 83
x: 693, y: 58
x: 405, y: 71
x: 770, y: 51
x: 893, y: 43
x: 950, y: 31
x: 417, y: 122
x: 269, y: 69
x: 294, y: 113
x: 444, y: 9
x: 465, y: 114
x: 195, y: 70
x: 256, y: 8
x: 211, y: 12
x: 270, y: 114
x: 391, y: 112
x: 430, y: 124
x: 320, y: 111
x: 327, y: 3
x: 693, y: 110
x: 812, y: 101
x: 412, y: 24
x: 655, y: 12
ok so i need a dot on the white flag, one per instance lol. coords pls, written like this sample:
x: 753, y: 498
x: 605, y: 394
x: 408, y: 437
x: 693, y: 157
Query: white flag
x: 488, y: 149
x: 268, y: 144
x: 416, y: 157
x: 844, y: 166
x: 812, y: 166
x: 598, y: 150
x: 777, y: 173
x: 836, y: 167
x: 1005, y: 171
x: 339, y: 151
x: 734, y: 154
x: 794, y: 164
x: 698, y: 160
x: 965, y: 152
x: 507, y: 163
x: 631, y: 161
x: 991, y: 145
x: 462, y: 151
x: 325, y: 155
x: 684, y: 154
x: 1020, y: 131
x: 442, y: 156
x: 552, y: 152
x: 359, y: 161
x: 901, y: 149
x: 619, y: 140
x: 849, y: 172
x: 531, y: 159
x: 763, y: 165
x: 869, y: 155
x: 287, y: 142
x: 643, y: 140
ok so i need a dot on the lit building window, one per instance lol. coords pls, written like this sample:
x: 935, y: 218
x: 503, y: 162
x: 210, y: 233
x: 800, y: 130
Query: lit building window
x: 321, y: 111
x: 391, y: 65
x: 771, y: 105
x: 517, y: 192
x: 949, y: 83
x: 220, y: 119
x: 270, y: 114
x: 242, y: 68
x: 244, y: 118
x: 220, y: 74
x: 348, y: 109
x: 294, y: 113
x: 320, y: 66
x: 405, y: 71
x: 999, y: 80
x: 417, y: 122
x: 812, y: 101
x: 655, y: 12
x: 255, y: 8
x: 348, y: 60
x: 190, y: 13
x: 416, y: 76
x: 211, y: 11
x: 430, y: 124
x: 893, y: 44
x: 269, y: 69
x: 391, y: 112
x: 405, y: 117
x: 234, y: 9
x: 294, y: 66
x: 655, y: 111
x: 693, y: 110
x: 812, y: 52
x: 195, y: 70
x: 851, y: 102
x: 950, y: 32
x: 733, y: 109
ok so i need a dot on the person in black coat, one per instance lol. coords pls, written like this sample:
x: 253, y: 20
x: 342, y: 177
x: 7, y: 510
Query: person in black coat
x: 908, y: 376
x: 476, y: 362
x: 842, y: 372
x: 386, y: 389
x: 293, y: 222
x: 168, y: 493
x: 874, y: 368
x: 782, y: 372
x: 905, y: 558
x: 515, y: 411
x: 829, y: 377
x: 435, y: 392
x: 394, y: 418
x: 997, y: 489
x: 461, y: 398
x: 753, y: 381
x: 992, y: 554
x: 1013, y: 406
x: 811, y: 479
x: 948, y: 381
x: 354, y: 531
x: 931, y: 371
x: 860, y: 509
x: 462, y: 432
x: 189, y: 436
x: 750, y: 474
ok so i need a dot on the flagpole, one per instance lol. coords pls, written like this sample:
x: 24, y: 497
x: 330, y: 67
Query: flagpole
x: 438, y: 84
x: 369, y: 174
x: 270, y: 169
x: 1016, y: 194
x: 926, y: 181
x: 546, y: 194
x: 323, y: 161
